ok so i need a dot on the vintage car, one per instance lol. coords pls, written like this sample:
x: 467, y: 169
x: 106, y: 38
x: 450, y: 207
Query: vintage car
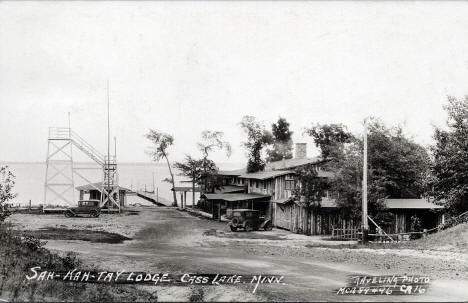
x: 85, y: 207
x: 248, y: 219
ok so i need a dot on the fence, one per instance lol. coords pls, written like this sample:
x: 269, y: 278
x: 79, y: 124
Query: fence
x: 355, y: 234
x: 346, y: 233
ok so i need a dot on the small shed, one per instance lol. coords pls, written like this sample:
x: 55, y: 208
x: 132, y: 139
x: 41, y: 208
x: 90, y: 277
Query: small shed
x: 92, y: 191
x: 430, y: 214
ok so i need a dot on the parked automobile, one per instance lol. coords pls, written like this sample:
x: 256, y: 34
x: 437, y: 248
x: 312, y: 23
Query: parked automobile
x: 248, y: 220
x: 85, y: 207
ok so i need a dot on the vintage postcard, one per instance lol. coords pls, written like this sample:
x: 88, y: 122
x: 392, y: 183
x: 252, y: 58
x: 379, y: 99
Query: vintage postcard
x: 232, y: 151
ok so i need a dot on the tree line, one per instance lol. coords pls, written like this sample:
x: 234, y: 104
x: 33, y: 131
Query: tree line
x: 398, y: 167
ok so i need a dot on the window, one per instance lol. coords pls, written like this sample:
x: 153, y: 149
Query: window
x: 289, y: 184
x: 256, y: 184
x: 264, y: 184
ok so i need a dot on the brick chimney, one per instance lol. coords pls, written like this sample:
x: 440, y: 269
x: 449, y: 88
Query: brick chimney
x: 301, y: 151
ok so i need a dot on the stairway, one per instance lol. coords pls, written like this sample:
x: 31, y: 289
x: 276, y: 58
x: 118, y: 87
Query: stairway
x: 87, y: 148
x: 65, y: 133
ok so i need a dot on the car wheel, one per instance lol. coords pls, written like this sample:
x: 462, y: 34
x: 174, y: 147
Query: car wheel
x: 67, y: 214
x: 233, y: 228
x: 248, y: 226
x: 94, y: 213
x: 268, y: 226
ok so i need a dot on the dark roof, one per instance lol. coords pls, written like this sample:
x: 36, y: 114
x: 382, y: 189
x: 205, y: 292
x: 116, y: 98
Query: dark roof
x: 186, y: 188
x: 390, y: 203
x: 235, y: 197
x: 235, y: 172
x: 411, y: 204
x: 291, y: 163
x: 230, y: 189
x: 263, y: 175
x: 93, y: 186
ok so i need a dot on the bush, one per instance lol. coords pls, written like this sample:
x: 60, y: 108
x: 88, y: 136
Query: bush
x: 33, y: 243
x: 452, y: 221
x: 19, y: 254
x: 415, y: 223
x: 70, y: 261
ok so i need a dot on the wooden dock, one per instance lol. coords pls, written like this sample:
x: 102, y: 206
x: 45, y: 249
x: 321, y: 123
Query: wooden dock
x: 151, y: 197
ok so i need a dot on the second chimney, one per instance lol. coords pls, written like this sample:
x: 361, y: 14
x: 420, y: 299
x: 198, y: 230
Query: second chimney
x: 301, y: 151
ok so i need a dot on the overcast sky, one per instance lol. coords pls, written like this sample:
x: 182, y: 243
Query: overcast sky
x: 183, y: 67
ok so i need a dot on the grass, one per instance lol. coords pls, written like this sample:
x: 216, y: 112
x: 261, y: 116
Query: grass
x: 19, y: 254
x: 453, y: 239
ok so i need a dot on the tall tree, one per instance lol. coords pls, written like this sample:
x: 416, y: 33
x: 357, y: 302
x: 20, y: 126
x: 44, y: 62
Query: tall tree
x: 211, y: 141
x: 449, y: 182
x: 329, y: 138
x: 160, y: 150
x: 257, y: 138
x: 7, y: 183
x: 397, y: 168
x: 196, y: 170
x: 282, y: 141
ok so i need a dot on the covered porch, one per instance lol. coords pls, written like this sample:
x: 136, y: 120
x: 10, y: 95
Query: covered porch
x: 218, y: 204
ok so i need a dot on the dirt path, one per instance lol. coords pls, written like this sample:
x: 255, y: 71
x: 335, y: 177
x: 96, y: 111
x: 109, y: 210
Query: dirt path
x: 169, y: 240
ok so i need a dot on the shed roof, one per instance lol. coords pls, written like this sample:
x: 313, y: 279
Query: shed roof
x: 390, y: 203
x: 235, y: 197
x: 411, y: 204
x: 235, y: 172
x: 185, y: 188
x: 291, y: 163
x: 93, y: 186
x: 263, y: 175
x: 230, y: 189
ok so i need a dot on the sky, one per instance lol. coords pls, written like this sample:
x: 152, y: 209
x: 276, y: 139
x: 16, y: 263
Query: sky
x: 188, y: 66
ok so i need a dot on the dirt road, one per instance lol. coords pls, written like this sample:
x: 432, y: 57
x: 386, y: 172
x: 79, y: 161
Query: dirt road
x: 165, y: 239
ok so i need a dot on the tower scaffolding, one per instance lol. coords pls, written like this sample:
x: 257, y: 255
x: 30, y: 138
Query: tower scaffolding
x: 60, y: 171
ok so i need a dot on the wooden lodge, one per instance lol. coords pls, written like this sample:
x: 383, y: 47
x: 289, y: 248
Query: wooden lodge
x: 289, y: 215
x: 271, y: 192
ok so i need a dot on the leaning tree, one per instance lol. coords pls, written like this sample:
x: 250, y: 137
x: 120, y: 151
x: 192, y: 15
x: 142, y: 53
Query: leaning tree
x: 160, y: 150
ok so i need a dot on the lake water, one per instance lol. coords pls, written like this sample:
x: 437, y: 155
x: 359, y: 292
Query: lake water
x: 30, y: 180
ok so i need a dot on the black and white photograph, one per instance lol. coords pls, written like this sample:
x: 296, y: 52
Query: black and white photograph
x: 233, y: 151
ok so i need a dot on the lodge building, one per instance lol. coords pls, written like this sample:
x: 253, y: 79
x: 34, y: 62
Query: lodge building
x: 271, y: 192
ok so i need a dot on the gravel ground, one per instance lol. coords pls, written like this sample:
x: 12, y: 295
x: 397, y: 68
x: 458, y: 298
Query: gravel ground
x: 167, y: 239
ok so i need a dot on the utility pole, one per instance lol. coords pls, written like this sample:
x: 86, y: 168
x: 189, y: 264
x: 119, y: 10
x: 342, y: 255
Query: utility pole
x: 365, y: 224
x: 108, y: 129
x: 71, y: 154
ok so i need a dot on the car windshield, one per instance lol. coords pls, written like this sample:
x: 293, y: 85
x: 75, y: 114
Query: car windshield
x: 87, y: 203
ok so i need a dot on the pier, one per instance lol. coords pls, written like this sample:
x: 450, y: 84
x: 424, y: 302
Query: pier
x: 150, y: 197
